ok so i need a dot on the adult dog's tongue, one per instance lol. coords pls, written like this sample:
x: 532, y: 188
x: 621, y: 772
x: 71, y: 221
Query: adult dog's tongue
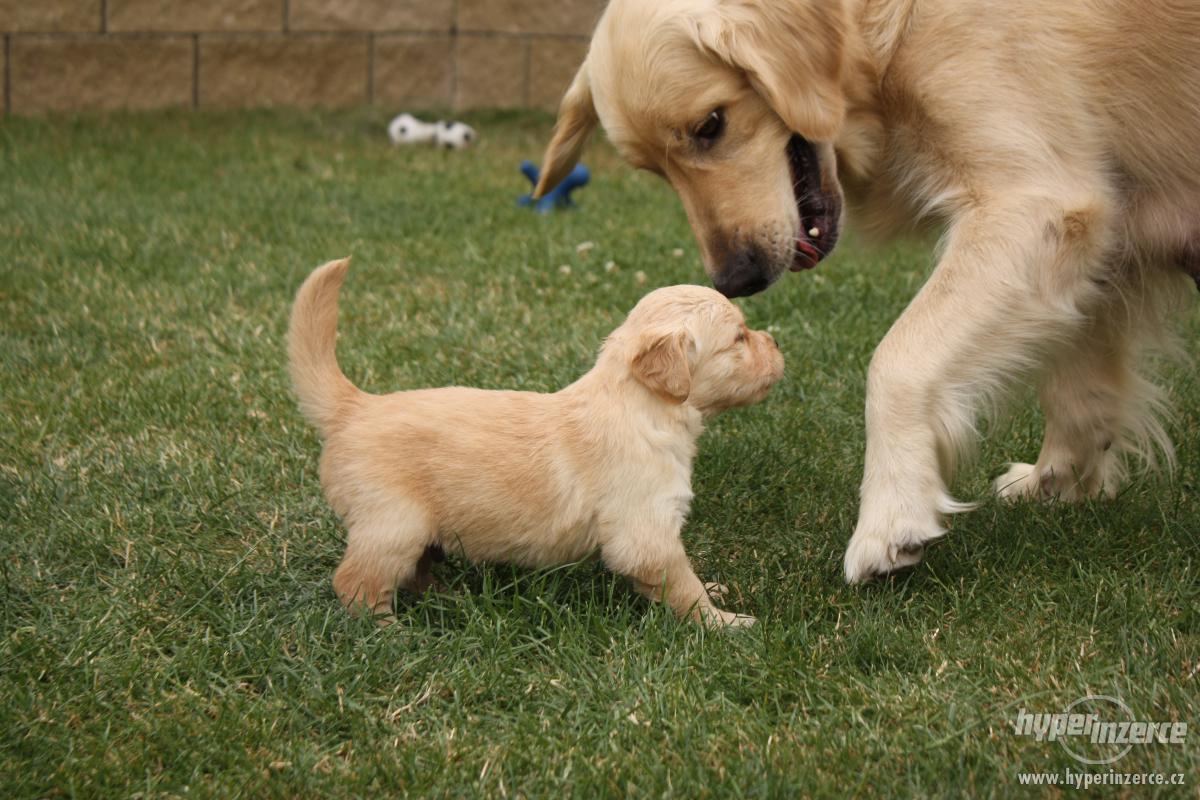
x: 807, y: 256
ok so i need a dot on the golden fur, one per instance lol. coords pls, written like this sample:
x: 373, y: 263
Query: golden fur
x: 1057, y: 144
x: 527, y: 478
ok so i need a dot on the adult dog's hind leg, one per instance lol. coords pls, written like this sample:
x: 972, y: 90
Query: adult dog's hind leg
x: 1015, y: 276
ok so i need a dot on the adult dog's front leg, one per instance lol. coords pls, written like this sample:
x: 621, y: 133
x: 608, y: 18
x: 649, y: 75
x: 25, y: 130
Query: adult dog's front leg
x: 1013, y: 279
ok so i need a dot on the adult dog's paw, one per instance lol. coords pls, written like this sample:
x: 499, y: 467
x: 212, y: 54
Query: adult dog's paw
x: 892, y: 535
x: 1020, y: 482
x: 1029, y: 482
x: 870, y: 557
x: 877, y: 549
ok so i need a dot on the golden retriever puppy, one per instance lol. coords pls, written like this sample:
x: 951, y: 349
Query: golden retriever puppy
x: 526, y: 478
x: 1056, y: 145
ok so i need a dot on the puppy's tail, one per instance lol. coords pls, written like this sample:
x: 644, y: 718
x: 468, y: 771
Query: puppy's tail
x: 323, y: 390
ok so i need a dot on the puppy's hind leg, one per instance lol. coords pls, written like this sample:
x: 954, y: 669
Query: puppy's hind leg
x: 423, y: 579
x: 385, y: 550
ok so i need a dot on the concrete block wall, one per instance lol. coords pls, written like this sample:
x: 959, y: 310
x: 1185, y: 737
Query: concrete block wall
x: 75, y: 55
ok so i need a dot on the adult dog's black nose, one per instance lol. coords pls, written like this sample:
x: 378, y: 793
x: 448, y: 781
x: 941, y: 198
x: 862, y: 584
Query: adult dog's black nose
x: 745, y: 272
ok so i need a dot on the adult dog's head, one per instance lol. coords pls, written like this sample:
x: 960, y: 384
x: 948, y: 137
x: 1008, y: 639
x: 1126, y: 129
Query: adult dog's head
x: 736, y: 103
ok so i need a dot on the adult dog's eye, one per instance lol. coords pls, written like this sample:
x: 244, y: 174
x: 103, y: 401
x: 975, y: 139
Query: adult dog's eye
x: 711, y: 129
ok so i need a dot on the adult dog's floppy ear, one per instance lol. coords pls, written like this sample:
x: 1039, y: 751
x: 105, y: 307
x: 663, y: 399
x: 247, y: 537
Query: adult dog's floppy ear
x: 792, y: 53
x: 660, y: 362
x: 576, y: 119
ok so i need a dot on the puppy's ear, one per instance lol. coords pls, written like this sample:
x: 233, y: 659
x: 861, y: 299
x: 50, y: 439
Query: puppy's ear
x: 661, y: 364
x: 576, y: 120
x: 792, y: 53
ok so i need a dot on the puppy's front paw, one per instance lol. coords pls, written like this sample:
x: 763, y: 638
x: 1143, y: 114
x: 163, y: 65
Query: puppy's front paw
x: 716, y: 591
x: 716, y: 618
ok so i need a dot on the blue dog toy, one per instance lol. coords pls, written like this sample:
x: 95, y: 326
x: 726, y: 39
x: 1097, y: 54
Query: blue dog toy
x: 559, y: 196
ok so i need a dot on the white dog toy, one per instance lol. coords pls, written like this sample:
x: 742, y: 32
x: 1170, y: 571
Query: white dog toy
x: 454, y: 135
x: 407, y: 129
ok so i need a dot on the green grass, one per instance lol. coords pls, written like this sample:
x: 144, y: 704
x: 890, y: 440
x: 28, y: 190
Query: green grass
x: 167, y: 617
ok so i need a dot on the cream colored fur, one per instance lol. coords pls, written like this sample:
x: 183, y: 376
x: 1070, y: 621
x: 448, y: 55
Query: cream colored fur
x: 532, y: 479
x: 1056, y: 144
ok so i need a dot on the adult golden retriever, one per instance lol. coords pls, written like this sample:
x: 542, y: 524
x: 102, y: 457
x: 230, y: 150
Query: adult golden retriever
x: 1057, y: 143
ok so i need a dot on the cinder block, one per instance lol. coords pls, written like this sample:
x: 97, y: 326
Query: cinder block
x: 552, y: 65
x: 50, y: 16
x: 490, y: 72
x: 371, y: 15
x: 190, y: 16
x: 269, y: 70
x: 571, y: 17
x: 414, y: 71
x: 94, y: 72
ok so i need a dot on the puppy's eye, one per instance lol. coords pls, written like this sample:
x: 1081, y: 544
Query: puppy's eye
x: 711, y: 128
x: 741, y: 337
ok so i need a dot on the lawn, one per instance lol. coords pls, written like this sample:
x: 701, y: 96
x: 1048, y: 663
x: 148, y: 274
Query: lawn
x: 168, y: 622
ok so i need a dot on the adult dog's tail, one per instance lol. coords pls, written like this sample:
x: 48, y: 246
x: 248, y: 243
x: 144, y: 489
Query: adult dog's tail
x: 323, y: 390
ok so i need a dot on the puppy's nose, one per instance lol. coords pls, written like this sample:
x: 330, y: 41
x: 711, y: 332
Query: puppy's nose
x: 745, y: 272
